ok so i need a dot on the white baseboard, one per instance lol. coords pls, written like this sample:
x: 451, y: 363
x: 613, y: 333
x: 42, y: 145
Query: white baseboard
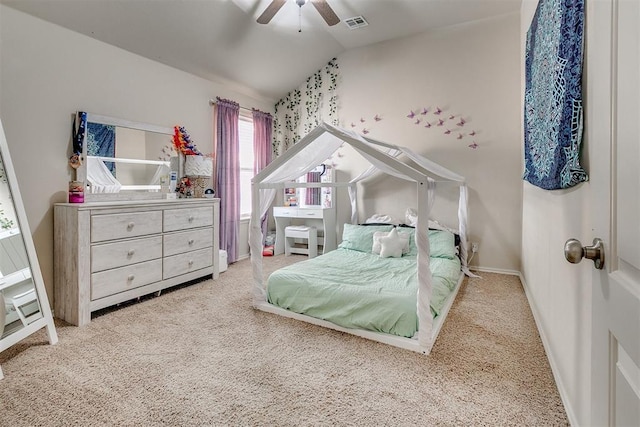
x: 562, y: 390
x: 495, y: 270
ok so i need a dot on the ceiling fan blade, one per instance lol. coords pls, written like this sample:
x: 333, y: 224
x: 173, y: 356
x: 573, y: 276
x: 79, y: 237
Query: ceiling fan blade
x: 326, y: 12
x: 270, y: 11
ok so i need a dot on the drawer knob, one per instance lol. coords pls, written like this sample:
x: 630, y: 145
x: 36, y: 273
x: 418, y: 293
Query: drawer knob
x: 191, y: 219
x: 131, y: 252
x: 190, y: 262
x: 131, y: 277
x: 130, y: 225
x: 191, y: 241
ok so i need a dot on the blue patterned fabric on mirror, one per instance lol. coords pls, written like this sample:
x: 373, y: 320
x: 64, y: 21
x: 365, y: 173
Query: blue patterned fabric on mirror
x: 101, y: 141
x: 553, y: 95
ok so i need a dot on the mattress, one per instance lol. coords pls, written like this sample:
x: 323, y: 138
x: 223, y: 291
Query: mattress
x: 360, y: 290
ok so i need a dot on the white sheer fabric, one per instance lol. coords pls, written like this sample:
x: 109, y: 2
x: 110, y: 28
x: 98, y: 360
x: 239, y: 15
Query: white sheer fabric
x: 353, y: 188
x: 315, y: 148
x: 100, y: 177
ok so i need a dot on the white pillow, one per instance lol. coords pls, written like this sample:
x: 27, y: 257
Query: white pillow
x: 381, y: 219
x: 376, y: 247
x: 391, y: 246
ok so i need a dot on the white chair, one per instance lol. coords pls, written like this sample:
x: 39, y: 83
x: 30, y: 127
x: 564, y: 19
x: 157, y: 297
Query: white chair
x: 293, y: 232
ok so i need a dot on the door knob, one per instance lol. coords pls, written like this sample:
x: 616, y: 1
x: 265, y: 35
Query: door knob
x: 574, y: 252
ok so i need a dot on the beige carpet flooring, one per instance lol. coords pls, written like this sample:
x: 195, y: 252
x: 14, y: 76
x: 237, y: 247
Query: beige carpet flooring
x: 201, y: 356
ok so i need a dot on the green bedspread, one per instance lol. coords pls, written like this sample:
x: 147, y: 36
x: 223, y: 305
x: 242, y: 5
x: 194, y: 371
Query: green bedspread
x: 361, y: 290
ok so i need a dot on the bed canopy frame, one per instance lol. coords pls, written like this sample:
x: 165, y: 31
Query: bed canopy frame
x: 316, y: 147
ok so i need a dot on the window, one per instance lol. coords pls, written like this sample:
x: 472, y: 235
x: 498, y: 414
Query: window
x: 245, y: 130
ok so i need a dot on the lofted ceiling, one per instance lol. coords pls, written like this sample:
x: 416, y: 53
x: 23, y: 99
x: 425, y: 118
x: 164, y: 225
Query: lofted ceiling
x: 220, y: 40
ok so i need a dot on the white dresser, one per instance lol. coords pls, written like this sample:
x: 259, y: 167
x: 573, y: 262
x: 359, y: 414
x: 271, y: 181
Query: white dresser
x: 109, y: 252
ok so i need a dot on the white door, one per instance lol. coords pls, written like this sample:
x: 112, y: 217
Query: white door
x: 613, y: 132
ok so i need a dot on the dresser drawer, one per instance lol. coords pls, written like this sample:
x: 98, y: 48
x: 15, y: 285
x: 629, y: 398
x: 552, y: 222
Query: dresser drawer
x: 122, y: 279
x: 186, y: 241
x: 182, y: 219
x: 310, y: 213
x: 120, y: 254
x: 118, y: 226
x: 184, y: 263
x: 280, y: 211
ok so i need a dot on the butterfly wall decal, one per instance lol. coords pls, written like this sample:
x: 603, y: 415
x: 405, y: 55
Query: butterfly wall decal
x: 377, y: 118
x: 458, y: 119
x: 365, y: 131
x: 362, y: 120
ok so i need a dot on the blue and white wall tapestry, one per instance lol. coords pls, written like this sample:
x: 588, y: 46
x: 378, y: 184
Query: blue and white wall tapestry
x: 553, y: 95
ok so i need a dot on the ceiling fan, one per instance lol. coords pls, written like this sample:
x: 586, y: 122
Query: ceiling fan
x: 321, y: 6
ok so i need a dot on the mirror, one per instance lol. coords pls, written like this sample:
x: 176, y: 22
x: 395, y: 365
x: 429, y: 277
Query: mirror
x: 125, y: 159
x: 24, y: 307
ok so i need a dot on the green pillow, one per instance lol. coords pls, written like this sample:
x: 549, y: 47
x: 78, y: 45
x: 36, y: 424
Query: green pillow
x: 360, y: 237
x: 441, y: 244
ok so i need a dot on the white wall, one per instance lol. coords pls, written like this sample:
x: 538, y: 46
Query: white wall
x: 559, y: 293
x: 469, y: 70
x: 47, y: 73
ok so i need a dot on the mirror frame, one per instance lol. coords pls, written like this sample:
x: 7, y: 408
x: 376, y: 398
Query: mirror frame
x: 122, y: 194
x: 47, y: 319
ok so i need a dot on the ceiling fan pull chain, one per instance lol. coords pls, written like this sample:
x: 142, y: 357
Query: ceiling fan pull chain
x: 300, y: 19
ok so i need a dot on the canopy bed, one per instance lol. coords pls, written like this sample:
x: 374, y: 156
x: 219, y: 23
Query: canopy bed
x: 418, y: 289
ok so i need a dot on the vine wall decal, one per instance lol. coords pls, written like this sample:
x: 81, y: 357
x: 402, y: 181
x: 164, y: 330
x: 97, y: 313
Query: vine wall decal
x: 306, y: 107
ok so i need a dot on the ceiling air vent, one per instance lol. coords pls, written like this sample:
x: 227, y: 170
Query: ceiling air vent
x: 356, y: 22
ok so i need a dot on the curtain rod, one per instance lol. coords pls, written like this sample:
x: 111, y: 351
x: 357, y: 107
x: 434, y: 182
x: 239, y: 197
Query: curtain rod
x: 213, y: 102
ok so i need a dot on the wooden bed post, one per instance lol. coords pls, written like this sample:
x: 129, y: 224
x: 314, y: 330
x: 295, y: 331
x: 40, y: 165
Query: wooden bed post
x: 425, y: 318
x: 255, y: 244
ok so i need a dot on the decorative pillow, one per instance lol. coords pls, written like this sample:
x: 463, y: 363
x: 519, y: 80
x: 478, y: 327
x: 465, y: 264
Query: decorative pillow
x: 442, y: 244
x: 381, y: 219
x: 359, y: 237
x: 391, y: 245
x: 375, y: 249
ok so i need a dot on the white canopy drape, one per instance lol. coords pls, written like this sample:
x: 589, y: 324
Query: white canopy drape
x: 100, y: 177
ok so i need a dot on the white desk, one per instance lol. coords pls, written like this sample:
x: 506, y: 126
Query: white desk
x: 324, y: 219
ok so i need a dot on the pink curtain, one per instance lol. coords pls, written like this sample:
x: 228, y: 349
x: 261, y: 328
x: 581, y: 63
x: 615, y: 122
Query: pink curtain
x: 228, y: 174
x: 312, y: 195
x: 262, y: 150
